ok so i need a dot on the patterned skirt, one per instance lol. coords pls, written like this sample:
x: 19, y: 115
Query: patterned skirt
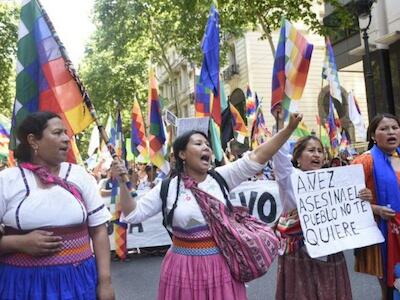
x: 194, y: 268
x: 70, y: 274
x: 302, y: 277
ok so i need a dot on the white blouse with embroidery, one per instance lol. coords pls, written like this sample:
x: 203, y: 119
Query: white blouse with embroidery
x: 52, y: 206
x: 187, y: 213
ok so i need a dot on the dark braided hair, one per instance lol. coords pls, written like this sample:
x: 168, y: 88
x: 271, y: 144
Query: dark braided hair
x: 179, y: 145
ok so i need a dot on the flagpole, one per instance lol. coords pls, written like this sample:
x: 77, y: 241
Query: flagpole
x: 85, y: 95
x: 320, y: 123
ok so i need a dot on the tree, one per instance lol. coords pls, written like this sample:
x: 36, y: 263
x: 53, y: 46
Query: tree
x: 8, y: 42
x: 238, y: 16
x: 131, y: 33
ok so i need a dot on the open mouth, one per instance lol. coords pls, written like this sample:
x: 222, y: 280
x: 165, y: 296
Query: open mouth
x: 64, y: 149
x: 205, y: 158
x: 392, y: 140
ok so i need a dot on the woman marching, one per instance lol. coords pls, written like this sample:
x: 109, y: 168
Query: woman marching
x: 382, y: 176
x: 300, y: 276
x: 52, y: 212
x: 194, y: 268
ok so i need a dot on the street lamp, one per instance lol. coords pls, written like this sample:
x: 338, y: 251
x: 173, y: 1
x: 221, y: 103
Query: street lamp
x: 363, y: 10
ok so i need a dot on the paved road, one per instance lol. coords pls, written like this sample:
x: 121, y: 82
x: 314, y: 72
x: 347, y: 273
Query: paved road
x: 138, y: 280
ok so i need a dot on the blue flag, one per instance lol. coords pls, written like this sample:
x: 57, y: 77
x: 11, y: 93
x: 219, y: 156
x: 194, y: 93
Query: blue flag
x: 209, y: 76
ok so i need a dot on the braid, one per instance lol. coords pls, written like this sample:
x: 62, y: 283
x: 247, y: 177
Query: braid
x: 170, y: 216
x: 177, y: 187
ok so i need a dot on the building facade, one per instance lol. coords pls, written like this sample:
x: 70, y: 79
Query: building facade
x: 251, y: 63
x: 380, y: 19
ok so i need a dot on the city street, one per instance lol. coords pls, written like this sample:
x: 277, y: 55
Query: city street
x: 138, y: 280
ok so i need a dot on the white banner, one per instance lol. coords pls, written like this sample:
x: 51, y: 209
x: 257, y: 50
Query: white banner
x: 332, y: 216
x: 261, y: 197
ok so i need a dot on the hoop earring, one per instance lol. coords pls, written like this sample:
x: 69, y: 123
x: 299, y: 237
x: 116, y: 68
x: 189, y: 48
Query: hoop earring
x: 35, y: 151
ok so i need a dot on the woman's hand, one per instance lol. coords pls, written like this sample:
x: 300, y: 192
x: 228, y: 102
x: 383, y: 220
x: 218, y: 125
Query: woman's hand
x: 105, y: 291
x: 118, y: 169
x: 279, y: 115
x: 40, y: 243
x: 365, y: 194
x: 294, y: 120
x: 386, y: 213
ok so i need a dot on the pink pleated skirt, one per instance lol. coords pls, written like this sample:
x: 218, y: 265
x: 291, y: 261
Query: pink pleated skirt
x: 195, y: 269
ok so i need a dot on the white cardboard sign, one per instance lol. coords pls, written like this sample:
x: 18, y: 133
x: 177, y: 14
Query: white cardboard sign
x: 187, y: 124
x: 332, y: 216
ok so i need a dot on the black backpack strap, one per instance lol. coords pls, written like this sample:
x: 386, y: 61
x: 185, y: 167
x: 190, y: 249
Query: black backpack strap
x: 223, y: 185
x: 164, y: 195
x: 167, y: 217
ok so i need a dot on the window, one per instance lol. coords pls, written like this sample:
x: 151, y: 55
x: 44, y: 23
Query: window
x: 334, y: 23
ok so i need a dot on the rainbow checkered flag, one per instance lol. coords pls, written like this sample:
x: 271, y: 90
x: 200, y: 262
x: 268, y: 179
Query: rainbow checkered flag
x: 209, y: 78
x: 120, y: 228
x: 209, y: 74
x: 250, y: 102
x: 259, y: 130
x: 331, y: 126
x: 157, y: 132
x: 329, y: 72
x: 239, y: 126
x: 202, y: 103
x: 138, y: 131
x: 344, y: 143
x: 46, y: 80
x: 292, y: 61
x: 346, y: 146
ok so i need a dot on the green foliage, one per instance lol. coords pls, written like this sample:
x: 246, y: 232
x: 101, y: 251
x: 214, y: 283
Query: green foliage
x: 132, y: 33
x: 8, y: 42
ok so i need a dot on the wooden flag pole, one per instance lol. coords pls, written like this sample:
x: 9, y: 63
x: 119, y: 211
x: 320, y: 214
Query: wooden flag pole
x: 86, y: 99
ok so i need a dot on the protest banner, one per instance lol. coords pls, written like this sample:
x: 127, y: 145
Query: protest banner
x: 261, y: 197
x: 332, y: 216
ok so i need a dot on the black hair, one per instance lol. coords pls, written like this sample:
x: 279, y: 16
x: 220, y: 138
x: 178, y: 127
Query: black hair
x: 300, y: 145
x: 35, y: 123
x: 180, y: 144
x: 373, y: 125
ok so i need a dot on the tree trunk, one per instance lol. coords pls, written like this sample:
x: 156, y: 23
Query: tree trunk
x: 167, y: 66
x: 267, y: 32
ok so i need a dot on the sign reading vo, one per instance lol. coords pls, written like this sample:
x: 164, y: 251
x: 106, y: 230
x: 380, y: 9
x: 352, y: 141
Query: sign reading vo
x: 261, y: 197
